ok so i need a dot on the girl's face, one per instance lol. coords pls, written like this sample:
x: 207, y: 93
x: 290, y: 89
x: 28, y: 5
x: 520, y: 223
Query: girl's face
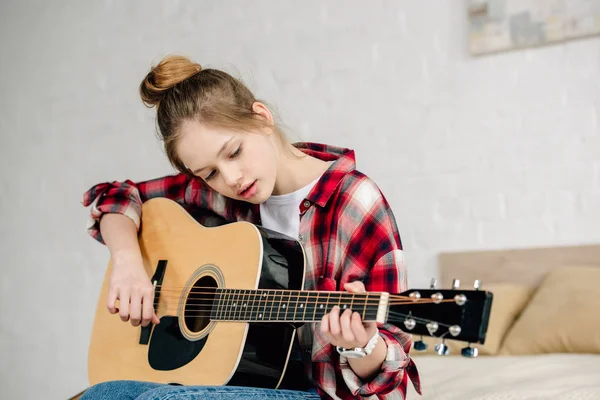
x: 239, y: 165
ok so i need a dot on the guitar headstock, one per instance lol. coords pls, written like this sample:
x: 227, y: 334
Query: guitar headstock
x: 447, y: 314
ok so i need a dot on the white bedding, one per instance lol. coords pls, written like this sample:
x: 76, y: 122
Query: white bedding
x: 550, y: 376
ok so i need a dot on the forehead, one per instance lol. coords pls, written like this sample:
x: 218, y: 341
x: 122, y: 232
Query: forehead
x: 200, y: 143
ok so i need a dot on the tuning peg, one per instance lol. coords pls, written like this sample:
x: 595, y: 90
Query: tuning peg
x: 410, y: 323
x: 432, y: 327
x: 437, y: 298
x: 469, y: 352
x: 477, y: 284
x: 433, y: 283
x: 414, y: 296
x: 460, y: 299
x: 454, y: 330
x: 455, y: 284
x: 442, y: 349
x: 420, y: 345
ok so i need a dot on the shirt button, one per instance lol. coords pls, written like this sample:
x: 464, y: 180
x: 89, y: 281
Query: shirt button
x: 306, y: 204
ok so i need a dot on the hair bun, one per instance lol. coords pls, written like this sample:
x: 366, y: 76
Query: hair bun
x: 162, y: 77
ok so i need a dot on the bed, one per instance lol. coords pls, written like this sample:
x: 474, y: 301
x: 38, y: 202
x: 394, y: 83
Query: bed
x: 543, y: 338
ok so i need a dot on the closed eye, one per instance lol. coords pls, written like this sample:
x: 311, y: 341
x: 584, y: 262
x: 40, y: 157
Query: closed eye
x: 236, y: 153
x: 211, y: 175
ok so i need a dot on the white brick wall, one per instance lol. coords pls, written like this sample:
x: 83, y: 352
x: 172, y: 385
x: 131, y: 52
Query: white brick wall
x: 472, y: 153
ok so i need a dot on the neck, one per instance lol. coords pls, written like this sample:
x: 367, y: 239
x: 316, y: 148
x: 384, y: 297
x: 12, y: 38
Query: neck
x: 292, y: 305
x: 296, y: 169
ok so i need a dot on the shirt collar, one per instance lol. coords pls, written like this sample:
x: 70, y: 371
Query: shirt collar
x: 344, y: 162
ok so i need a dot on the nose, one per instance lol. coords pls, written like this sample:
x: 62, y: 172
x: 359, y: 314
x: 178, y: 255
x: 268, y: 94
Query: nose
x: 232, y: 176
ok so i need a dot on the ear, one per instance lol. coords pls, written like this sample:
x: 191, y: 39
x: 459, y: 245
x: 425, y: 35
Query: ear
x: 261, y: 110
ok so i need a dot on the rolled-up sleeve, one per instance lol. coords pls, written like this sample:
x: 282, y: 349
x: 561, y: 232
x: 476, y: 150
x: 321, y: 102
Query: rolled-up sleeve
x: 127, y: 197
x: 391, y: 374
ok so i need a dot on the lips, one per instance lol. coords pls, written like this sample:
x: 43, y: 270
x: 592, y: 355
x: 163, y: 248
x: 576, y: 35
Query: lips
x: 245, y: 188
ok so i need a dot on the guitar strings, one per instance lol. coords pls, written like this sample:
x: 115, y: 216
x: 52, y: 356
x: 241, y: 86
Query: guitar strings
x: 225, y: 292
x: 370, y: 302
x: 361, y: 302
x: 276, y: 292
x: 393, y: 316
x: 200, y: 309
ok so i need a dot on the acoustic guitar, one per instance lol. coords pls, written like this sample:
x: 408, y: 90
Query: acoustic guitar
x: 230, y: 299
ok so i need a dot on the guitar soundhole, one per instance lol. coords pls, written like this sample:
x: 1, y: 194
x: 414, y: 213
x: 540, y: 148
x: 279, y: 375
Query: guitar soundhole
x: 199, y: 304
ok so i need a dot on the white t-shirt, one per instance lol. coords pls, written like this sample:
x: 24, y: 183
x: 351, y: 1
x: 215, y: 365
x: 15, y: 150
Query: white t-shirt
x: 281, y: 213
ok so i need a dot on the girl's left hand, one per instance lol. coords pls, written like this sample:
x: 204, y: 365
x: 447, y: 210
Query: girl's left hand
x: 347, y: 330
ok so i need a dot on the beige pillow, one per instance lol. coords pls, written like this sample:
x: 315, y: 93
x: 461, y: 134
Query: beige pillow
x: 508, y: 301
x: 562, y: 317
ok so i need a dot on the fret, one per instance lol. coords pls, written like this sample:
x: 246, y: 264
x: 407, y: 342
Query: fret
x: 334, y: 299
x: 320, y: 306
x: 292, y: 307
x: 275, y: 305
x: 214, y: 312
x: 225, y: 304
x: 283, y: 306
x: 358, y: 303
x: 248, y: 305
x: 345, y: 302
x: 243, y: 306
x: 372, y: 308
x: 364, y: 313
x: 235, y: 304
x: 262, y: 306
x: 301, y: 307
x: 271, y: 297
x: 311, y: 306
x: 252, y: 307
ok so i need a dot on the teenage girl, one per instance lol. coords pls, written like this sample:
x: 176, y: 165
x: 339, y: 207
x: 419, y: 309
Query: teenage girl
x: 234, y: 160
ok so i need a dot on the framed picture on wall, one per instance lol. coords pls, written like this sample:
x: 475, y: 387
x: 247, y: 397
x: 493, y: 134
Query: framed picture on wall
x: 500, y: 25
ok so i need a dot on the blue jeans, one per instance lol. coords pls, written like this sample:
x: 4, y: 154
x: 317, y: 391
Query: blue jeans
x: 130, y: 390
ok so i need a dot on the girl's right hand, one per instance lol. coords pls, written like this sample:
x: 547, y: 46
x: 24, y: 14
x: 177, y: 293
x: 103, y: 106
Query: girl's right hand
x: 130, y: 284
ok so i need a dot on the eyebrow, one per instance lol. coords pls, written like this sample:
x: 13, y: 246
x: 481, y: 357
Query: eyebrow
x: 197, y: 170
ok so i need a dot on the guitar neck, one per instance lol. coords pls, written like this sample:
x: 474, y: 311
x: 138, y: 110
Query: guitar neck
x: 292, y: 305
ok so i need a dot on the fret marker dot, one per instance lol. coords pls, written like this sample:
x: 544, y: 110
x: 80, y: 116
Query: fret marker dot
x: 345, y: 306
x: 244, y: 305
x: 259, y: 315
x: 283, y: 306
x: 301, y: 305
x: 321, y: 306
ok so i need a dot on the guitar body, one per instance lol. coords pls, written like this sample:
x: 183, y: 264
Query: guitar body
x: 187, y: 347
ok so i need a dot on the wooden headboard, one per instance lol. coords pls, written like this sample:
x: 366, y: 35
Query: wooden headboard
x: 526, y: 266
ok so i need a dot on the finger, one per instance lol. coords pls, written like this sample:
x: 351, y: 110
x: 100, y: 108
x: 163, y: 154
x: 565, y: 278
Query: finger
x: 355, y: 287
x: 334, y: 322
x: 325, y: 324
x: 347, y: 333
x: 110, y: 302
x: 360, y: 333
x: 124, y: 306
x: 155, y: 319
x: 147, y: 308
x: 135, y: 309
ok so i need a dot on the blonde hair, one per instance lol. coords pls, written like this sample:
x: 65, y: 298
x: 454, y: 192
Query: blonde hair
x: 181, y: 90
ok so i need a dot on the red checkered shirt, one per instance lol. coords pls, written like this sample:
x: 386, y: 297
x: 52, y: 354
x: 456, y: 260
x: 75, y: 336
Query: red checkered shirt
x: 348, y: 233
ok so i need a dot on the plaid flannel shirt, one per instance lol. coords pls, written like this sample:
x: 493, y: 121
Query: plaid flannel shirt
x: 348, y: 233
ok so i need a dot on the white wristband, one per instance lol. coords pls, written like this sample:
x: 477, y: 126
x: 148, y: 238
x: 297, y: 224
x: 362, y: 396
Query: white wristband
x: 360, y: 352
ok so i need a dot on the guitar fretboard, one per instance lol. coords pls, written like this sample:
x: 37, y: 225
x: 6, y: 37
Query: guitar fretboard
x: 288, y: 306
